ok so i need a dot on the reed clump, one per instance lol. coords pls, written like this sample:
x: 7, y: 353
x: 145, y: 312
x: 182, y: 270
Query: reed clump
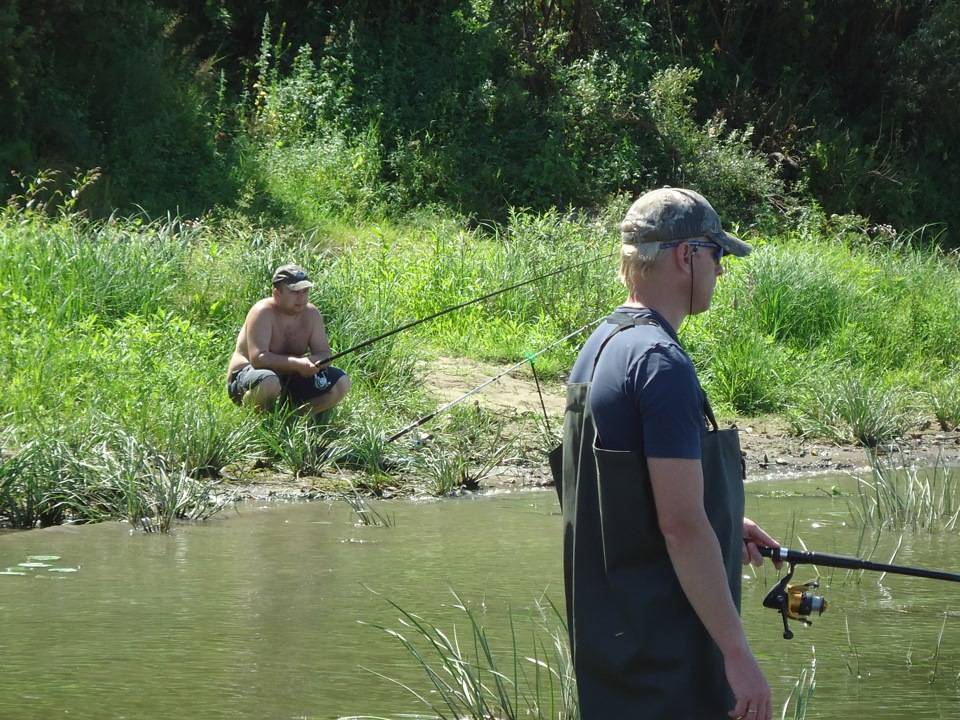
x: 55, y: 479
x: 852, y: 407
x: 945, y: 400
x: 801, y: 694
x: 469, y: 677
x: 897, y: 497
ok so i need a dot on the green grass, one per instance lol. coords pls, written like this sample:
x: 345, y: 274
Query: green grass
x: 801, y: 694
x: 129, y: 322
x: 944, y: 397
x: 849, y: 406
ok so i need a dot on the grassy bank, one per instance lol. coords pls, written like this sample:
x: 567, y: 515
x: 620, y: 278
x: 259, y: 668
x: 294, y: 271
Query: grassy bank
x: 116, y: 336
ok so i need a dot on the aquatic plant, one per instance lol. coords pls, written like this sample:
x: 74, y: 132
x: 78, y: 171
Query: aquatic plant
x: 109, y: 474
x: 801, y: 694
x: 944, y: 397
x: 898, y: 497
x: 443, y: 471
x: 933, y: 658
x: 31, y: 479
x: 365, y: 512
x: 469, y: 444
x: 301, y: 445
x: 472, y: 679
x: 129, y: 479
x: 852, y: 655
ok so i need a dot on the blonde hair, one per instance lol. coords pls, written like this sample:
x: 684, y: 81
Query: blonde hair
x: 635, y: 262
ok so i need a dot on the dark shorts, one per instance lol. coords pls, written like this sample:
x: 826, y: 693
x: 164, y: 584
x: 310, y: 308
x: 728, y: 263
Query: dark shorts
x: 297, y: 388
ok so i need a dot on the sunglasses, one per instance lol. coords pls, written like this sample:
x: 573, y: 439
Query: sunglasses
x: 715, y: 248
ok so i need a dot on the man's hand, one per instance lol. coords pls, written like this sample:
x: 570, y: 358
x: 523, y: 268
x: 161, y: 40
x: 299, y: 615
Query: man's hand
x: 320, y: 360
x: 754, y: 536
x: 304, y: 367
x: 750, y: 688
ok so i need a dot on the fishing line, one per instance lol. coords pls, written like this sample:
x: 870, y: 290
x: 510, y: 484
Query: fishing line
x: 529, y: 358
x: 414, y: 323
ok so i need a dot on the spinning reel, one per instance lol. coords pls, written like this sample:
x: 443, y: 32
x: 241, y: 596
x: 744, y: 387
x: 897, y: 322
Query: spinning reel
x: 794, y: 602
x: 798, y: 602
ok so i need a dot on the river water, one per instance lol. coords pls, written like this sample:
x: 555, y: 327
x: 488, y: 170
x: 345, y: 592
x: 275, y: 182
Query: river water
x: 268, y: 612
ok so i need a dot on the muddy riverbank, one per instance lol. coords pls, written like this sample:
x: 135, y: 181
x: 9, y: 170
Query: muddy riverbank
x: 771, y: 450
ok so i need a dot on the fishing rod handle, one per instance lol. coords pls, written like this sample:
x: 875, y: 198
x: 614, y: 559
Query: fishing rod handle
x: 805, y: 557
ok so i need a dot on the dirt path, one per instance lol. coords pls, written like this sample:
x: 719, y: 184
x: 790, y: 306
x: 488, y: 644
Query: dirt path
x: 770, y: 449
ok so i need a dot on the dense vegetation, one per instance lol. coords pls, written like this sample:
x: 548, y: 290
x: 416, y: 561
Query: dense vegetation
x: 307, y: 108
x: 415, y: 155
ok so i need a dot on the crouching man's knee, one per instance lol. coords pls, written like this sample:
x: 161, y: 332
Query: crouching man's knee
x: 264, y: 394
x: 332, y: 397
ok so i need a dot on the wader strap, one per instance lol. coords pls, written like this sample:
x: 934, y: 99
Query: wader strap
x: 624, y: 321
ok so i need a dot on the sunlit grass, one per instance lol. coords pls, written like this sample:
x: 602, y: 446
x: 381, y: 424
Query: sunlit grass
x: 853, y: 407
x: 129, y: 322
x: 469, y: 677
x: 945, y: 400
x: 801, y: 694
x: 90, y: 478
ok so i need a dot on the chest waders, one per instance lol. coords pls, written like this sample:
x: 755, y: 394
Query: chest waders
x: 639, y: 650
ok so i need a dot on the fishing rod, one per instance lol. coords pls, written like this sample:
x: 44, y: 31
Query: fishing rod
x: 414, y: 323
x: 528, y: 359
x: 335, y: 454
x: 798, y: 602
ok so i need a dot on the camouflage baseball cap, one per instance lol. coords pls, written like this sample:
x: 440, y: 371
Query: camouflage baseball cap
x: 669, y: 214
x: 293, y: 276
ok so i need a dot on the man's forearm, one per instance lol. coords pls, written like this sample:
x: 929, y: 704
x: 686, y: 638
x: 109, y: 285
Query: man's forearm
x: 276, y: 362
x: 320, y: 356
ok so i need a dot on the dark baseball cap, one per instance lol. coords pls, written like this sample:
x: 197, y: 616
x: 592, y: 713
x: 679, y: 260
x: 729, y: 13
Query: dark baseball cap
x: 670, y: 214
x: 293, y: 276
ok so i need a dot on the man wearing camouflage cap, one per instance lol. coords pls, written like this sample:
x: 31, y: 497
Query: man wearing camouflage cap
x: 652, y: 492
x: 282, y: 349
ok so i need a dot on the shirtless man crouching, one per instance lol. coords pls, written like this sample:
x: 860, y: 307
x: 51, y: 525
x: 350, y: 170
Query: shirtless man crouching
x: 271, y: 357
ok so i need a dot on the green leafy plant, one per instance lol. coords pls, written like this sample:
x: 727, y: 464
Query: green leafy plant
x: 945, y: 399
x: 907, y: 497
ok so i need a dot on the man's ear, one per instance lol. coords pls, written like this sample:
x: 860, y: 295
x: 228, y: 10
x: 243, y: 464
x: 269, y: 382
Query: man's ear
x: 682, y: 255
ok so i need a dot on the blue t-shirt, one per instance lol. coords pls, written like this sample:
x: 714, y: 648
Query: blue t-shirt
x: 645, y: 393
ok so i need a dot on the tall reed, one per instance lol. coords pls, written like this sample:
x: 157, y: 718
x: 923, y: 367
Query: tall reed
x: 469, y: 678
x: 801, y: 694
x: 907, y: 497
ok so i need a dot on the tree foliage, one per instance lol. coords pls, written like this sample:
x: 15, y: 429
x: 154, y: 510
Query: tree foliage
x: 487, y: 103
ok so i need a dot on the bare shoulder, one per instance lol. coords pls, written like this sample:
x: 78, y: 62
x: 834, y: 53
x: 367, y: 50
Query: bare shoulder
x: 312, y: 314
x: 261, y: 308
